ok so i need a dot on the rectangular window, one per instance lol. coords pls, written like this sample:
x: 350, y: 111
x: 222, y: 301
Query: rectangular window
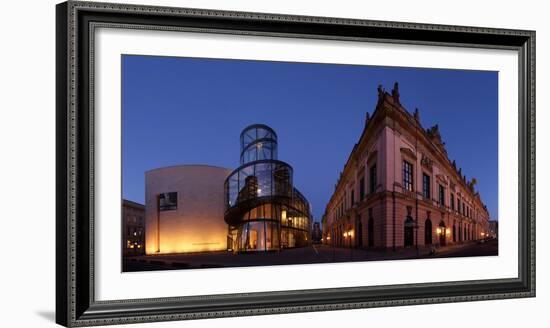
x: 458, y: 209
x: 345, y: 201
x: 352, y: 197
x: 372, y: 177
x: 463, y: 209
x: 441, y: 195
x: 452, y: 201
x: 407, y: 176
x: 362, y: 189
x: 426, y: 185
x: 168, y: 201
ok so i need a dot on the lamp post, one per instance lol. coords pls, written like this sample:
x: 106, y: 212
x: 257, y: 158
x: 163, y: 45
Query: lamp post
x: 350, y: 235
x: 332, y: 245
x: 347, y: 235
x: 416, y: 233
x: 443, y: 232
x: 158, y: 223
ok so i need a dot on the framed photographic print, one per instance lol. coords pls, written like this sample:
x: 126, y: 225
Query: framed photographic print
x: 215, y: 163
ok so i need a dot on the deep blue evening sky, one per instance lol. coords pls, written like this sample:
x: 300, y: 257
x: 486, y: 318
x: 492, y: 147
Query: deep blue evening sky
x: 191, y: 111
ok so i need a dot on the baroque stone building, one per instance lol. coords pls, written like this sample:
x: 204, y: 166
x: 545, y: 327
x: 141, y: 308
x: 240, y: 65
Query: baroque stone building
x: 399, y: 188
x: 133, y: 228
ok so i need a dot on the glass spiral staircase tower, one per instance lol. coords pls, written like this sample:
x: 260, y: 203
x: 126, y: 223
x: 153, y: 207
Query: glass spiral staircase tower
x: 263, y: 209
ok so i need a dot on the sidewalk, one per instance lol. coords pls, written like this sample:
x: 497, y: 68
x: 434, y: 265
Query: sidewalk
x: 305, y: 255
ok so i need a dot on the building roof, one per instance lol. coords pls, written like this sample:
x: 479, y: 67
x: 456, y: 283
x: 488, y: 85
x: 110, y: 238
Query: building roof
x: 431, y: 137
x: 129, y: 203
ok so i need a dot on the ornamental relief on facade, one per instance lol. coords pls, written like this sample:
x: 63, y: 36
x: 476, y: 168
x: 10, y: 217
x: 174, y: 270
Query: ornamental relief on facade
x: 408, y: 153
x: 442, y: 179
x: 427, y: 162
x: 453, y: 186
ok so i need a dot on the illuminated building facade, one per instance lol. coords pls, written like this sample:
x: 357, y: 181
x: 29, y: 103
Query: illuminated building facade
x: 184, y: 209
x: 398, y: 187
x: 133, y: 228
x: 262, y: 208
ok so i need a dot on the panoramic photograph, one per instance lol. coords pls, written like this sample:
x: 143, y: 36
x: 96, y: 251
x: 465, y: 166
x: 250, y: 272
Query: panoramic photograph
x: 233, y: 163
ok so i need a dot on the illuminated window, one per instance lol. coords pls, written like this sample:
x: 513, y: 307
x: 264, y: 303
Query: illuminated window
x: 407, y: 176
x: 168, y: 201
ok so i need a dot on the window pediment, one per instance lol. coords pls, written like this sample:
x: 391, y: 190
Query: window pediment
x: 408, y: 153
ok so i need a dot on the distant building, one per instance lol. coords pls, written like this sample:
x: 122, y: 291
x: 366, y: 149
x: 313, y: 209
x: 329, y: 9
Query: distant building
x: 398, y: 187
x: 325, y: 239
x: 493, y: 228
x: 316, y: 234
x: 133, y: 228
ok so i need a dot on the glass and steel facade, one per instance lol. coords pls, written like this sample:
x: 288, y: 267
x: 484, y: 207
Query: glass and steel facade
x: 263, y: 209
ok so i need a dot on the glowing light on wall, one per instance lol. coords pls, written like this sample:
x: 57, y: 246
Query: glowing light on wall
x: 187, y: 236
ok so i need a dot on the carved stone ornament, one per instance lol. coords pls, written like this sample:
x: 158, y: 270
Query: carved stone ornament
x: 426, y: 161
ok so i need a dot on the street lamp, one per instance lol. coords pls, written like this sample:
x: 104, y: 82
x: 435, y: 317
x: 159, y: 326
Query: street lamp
x: 441, y: 233
x: 415, y: 227
x: 350, y: 235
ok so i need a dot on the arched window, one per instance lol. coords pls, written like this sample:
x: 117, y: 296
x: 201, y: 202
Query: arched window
x: 442, y: 232
x: 428, y: 232
x: 371, y: 232
x: 409, y: 228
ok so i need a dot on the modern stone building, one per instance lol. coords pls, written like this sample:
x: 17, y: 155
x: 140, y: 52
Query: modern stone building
x: 133, y: 228
x: 184, y: 209
x: 199, y: 208
x: 399, y: 188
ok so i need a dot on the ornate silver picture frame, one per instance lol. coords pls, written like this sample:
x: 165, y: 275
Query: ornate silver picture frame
x: 77, y: 23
